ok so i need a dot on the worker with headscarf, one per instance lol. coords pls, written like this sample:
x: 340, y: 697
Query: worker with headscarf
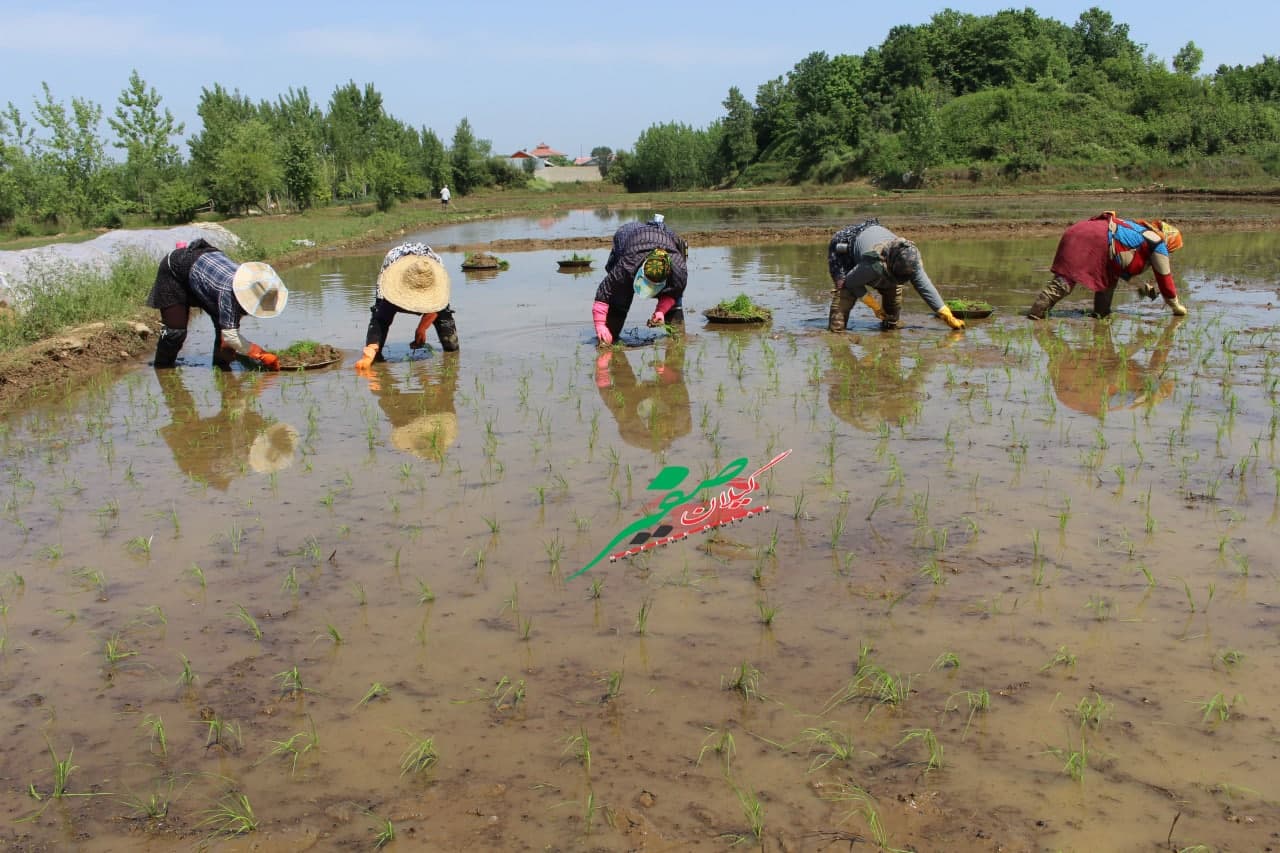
x: 648, y: 259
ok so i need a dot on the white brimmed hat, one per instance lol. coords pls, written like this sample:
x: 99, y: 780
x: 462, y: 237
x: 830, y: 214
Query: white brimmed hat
x: 259, y: 290
x: 273, y: 449
x: 415, y: 283
x: 427, y: 436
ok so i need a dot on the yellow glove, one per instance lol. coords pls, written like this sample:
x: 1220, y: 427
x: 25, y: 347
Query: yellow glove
x: 365, y: 363
x: 1176, y: 306
x: 872, y: 301
x: 950, y: 319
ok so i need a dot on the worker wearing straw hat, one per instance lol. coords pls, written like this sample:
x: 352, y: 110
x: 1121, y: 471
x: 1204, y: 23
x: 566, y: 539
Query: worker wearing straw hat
x: 199, y: 275
x: 413, y: 280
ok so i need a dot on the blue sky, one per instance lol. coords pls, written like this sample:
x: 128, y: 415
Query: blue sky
x: 572, y: 75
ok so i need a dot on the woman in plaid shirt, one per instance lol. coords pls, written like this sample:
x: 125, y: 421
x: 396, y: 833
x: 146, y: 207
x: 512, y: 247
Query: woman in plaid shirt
x: 647, y: 258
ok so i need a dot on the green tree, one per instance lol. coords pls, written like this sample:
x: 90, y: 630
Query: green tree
x: 603, y: 155
x: 434, y: 162
x: 737, y: 143
x: 668, y: 156
x: 1187, y: 60
x: 247, y: 168
x: 145, y: 132
x: 221, y: 114
x: 300, y: 169
x: 74, y: 153
x: 388, y: 172
x: 466, y: 159
x: 921, y: 137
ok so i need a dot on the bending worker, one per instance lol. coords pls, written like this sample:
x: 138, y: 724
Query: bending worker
x: 413, y: 280
x: 868, y: 256
x: 199, y: 275
x: 1098, y: 252
x: 649, y: 259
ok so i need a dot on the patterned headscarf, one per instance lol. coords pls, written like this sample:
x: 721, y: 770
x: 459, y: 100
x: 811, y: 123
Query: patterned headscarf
x: 657, y: 266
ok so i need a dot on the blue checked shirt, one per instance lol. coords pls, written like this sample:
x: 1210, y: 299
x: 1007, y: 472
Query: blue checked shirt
x: 211, y: 281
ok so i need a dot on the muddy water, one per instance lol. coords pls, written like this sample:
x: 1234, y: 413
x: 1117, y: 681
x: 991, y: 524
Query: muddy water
x: 1046, y: 548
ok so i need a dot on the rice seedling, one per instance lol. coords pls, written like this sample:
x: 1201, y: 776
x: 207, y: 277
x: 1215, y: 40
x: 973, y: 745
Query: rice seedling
x: 720, y: 742
x: 933, y: 571
x: 829, y: 746
x: 930, y: 741
x: 1062, y: 657
x: 62, y: 770
x: 612, y: 682
x: 873, y: 683
x: 798, y: 505
x: 495, y: 527
x: 862, y: 804
x: 1075, y: 761
x: 420, y: 756
x: 232, y: 815
x: 745, y: 680
x: 220, y: 732
x: 113, y: 650
x: 155, y: 725
x: 289, y: 585
x: 1102, y: 607
x: 1091, y: 712
x: 92, y: 579
x: 768, y: 612
x: 140, y: 545
x: 642, y: 617
x: 978, y: 700
x: 385, y: 834
x: 555, y: 550
x: 526, y: 628
x: 197, y: 574
x: 1228, y: 657
x: 425, y: 595
x: 946, y: 660
x: 752, y: 810
x: 248, y: 620
x: 1218, y: 708
x: 335, y: 636
x: 375, y: 691
x: 357, y: 589
x: 186, y: 678
x: 597, y: 586
x: 296, y: 746
x: 578, y: 747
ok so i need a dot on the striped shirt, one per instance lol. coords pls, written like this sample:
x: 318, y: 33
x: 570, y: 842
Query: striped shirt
x: 632, y: 243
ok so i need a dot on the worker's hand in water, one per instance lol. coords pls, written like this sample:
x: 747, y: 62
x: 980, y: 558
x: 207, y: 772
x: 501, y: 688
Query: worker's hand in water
x: 950, y: 319
x: 658, y: 319
x: 599, y: 313
x: 266, y: 359
x: 366, y: 361
x: 420, y: 336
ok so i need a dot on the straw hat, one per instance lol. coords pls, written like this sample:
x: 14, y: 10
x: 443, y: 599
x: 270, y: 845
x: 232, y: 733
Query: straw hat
x: 427, y: 436
x: 415, y: 283
x: 273, y: 449
x: 259, y: 290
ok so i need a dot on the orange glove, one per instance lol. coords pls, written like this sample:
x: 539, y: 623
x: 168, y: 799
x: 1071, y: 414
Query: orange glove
x: 420, y: 336
x: 268, y: 360
x: 366, y: 363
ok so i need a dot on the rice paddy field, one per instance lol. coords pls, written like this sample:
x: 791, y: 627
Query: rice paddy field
x: 1016, y: 588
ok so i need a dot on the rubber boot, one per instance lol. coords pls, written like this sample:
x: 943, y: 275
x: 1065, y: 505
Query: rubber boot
x: 842, y: 302
x: 1102, y: 303
x: 168, y: 345
x: 447, y: 330
x: 891, y: 304
x: 1052, y: 294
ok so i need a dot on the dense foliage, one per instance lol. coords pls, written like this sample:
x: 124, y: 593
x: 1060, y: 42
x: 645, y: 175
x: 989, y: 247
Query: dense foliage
x: 986, y: 97
x: 288, y: 155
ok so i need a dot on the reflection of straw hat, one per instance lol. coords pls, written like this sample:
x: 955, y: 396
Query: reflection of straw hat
x: 415, y: 283
x: 428, y: 436
x: 273, y: 449
x: 259, y: 290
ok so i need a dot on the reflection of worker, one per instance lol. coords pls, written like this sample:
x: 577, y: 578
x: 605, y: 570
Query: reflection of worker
x: 219, y: 448
x: 653, y: 413
x: 648, y: 259
x: 199, y: 275
x: 413, y: 280
x: 420, y: 407
x: 1096, y: 376
x: 868, y: 256
x: 876, y: 387
x: 1098, y: 252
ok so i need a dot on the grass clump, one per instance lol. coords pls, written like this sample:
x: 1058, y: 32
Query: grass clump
x: 741, y: 306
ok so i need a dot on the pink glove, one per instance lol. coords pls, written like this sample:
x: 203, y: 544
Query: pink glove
x: 657, y: 319
x: 599, y: 313
x: 181, y: 244
x: 665, y: 304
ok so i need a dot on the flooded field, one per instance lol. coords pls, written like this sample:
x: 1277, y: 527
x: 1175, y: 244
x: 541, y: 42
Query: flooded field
x: 1016, y: 589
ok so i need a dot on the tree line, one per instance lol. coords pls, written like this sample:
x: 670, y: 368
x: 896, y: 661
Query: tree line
x: 290, y: 154
x: 988, y: 97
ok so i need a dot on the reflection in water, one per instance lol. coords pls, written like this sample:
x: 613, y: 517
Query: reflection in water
x: 473, y: 276
x: 653, y: 413
x: 219, y: 448
x: 420, y: 405
x: 1095, y: 376
x: 872, y: 388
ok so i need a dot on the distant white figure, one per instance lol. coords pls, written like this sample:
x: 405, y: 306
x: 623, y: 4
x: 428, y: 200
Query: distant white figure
x: 444, y: 196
